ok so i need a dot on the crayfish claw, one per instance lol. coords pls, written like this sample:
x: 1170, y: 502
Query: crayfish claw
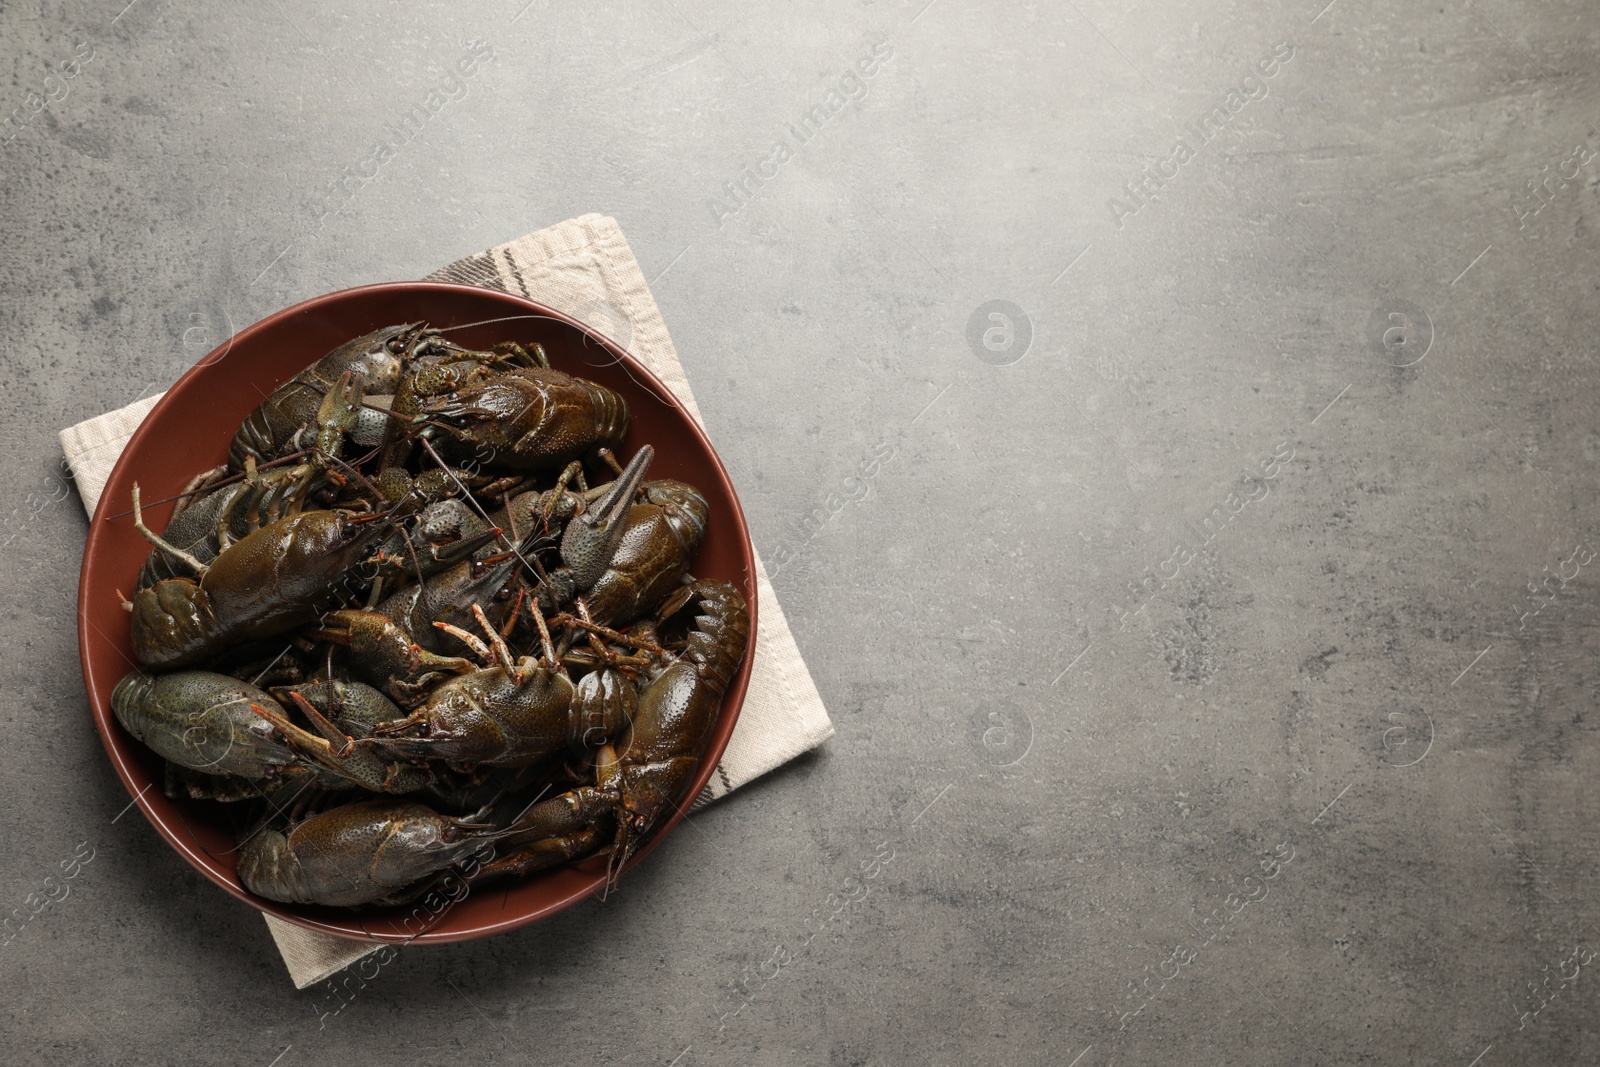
x: 351, y: 760
x: 592, y: 537
x: 330, y: 732
x: 339, y: 413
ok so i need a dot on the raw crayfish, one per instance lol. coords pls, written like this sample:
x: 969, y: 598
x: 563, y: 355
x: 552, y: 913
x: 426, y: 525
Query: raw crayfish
x: 270, y: 581
x: 365, y: 852
x: 211, y: 723
x: 282, y: 422
x: 637, y: 779
x: 531, y: 417
x: 425, y: 648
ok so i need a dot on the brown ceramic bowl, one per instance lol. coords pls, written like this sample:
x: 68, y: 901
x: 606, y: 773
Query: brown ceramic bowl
x: 190, y: 429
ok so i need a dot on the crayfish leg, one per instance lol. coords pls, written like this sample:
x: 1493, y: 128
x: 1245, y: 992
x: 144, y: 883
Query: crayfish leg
x: 200, y: 481
x: 160, y: 542
x: 519, y: 355
x: 609, y: 458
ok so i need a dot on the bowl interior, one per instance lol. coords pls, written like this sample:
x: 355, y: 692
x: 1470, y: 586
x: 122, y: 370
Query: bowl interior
x: 189, y: 431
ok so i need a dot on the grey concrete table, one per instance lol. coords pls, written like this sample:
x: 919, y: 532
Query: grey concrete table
x: 1176, y: 424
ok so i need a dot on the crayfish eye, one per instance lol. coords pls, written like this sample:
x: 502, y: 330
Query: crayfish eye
x: 450, y: 835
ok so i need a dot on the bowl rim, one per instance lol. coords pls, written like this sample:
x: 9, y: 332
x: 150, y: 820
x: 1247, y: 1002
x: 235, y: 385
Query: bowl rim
x: 355, y: 929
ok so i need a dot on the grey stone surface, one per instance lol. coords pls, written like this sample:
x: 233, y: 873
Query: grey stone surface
x: 1081, y: 706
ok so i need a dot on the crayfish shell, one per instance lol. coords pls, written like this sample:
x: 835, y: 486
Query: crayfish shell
x: 532, y: 417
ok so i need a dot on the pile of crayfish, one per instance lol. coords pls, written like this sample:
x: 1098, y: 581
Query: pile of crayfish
x: 399, y: 627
